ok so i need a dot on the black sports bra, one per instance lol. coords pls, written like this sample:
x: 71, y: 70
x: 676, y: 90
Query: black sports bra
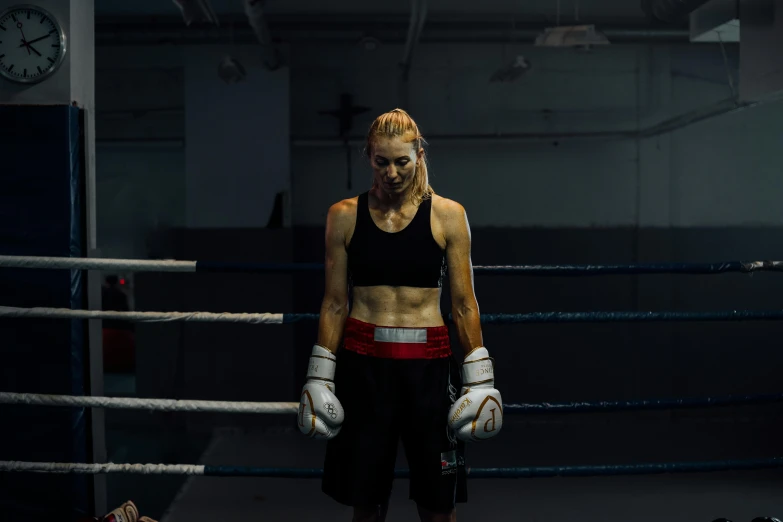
x: 410, y: 257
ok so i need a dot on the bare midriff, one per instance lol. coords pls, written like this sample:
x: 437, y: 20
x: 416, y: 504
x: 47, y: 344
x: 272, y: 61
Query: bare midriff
x: 397, y: 306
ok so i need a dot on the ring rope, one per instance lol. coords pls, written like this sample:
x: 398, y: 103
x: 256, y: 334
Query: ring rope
x: 286, y: 318
x: 128, y: 403
x: 78, y: 401
x: 93, y: 469
x: 744, y: 267
x: 514, y: 472
x: 644, y: 404
x: 624, y: 317
x: 140, y: 317
x: 140, y: 265
x: 96, y: 263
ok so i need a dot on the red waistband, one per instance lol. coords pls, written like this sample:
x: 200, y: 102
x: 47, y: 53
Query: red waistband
x: 393, y: 342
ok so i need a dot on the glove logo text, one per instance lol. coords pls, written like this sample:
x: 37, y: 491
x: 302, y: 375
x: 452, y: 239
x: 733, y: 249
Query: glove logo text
x: 492, y: 420
x: 490, y: 425
x: 465, y: 403
x: 488, y: 370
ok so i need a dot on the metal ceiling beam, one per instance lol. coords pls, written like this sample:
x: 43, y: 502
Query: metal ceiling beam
x: 391, y: 29
x: 697, y: 115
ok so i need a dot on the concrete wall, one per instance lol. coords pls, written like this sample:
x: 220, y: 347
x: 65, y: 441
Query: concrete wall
x: 697, y: 176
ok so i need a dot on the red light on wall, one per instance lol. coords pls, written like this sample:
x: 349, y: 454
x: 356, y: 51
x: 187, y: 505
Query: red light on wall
x: 122, y: 281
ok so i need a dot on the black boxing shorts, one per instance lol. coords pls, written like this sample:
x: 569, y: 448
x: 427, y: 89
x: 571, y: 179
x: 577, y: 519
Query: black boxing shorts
x: 395, y: 385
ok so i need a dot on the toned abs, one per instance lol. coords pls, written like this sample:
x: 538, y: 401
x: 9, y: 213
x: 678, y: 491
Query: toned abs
x: 399, y: 305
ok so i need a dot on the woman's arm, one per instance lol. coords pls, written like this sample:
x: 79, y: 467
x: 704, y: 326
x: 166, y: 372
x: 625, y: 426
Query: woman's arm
x: 334, y: 307
x: 478, y: 413
x: 464, y: 308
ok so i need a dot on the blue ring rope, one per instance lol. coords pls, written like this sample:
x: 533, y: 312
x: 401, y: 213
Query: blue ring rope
x: 550, y: 270
x: 600, y: 317
x: 605, y: 317
x: 526, y: 472
x: 644, y: 404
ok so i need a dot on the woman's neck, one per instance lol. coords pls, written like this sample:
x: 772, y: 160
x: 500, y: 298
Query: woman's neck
x: 391, y: 201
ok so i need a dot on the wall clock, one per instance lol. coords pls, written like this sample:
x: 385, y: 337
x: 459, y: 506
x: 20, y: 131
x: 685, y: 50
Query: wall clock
x: 32, y: 44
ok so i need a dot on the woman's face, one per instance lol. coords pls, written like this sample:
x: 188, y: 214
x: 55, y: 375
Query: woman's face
x: 394, y: 164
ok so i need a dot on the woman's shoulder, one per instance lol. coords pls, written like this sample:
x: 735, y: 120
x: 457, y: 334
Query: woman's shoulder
x: 344, y: 210
x: 449, y: 218
x: 446, y: 207
x: 345, y: 205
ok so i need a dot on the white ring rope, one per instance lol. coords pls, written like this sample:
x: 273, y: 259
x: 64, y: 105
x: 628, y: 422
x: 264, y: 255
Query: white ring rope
x: 146, y: 317
x: 130, y: 403
x: 93, y: 263
x: 65, y: 467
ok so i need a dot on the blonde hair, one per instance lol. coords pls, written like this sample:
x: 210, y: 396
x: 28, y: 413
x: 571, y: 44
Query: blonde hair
x: 398, y: 123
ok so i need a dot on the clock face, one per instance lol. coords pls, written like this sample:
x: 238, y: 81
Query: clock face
x: 32, y: 44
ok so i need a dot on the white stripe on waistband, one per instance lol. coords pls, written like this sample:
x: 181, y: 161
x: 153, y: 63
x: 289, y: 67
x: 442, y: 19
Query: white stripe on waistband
x: 400, y: 335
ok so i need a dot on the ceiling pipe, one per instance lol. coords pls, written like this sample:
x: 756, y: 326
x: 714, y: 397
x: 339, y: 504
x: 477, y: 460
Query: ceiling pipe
x: 149, y: 32
x: 700, y: 114
x: 722, y: 107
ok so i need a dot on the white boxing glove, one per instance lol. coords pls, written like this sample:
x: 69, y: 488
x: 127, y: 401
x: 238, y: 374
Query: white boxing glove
x: 478, y: 412
x: 320, y: 413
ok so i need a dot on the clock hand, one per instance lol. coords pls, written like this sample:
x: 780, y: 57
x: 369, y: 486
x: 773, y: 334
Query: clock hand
x: 33, y: 41
x: 29, y: 48
x: 24, y: 40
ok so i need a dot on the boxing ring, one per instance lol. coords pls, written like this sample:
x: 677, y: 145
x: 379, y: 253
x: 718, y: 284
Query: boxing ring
x: 282, y: 466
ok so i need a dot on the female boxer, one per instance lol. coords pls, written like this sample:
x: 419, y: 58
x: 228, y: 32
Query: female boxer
x: 396, y: 378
